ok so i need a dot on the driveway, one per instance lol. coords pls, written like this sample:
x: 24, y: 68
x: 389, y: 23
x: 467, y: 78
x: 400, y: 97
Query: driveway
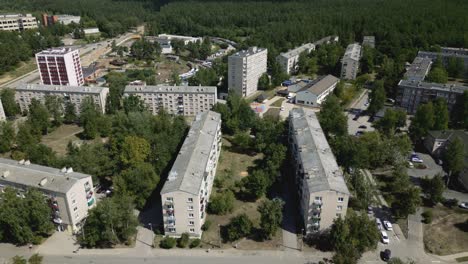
x: 431, y: 170
x: 363, y: 120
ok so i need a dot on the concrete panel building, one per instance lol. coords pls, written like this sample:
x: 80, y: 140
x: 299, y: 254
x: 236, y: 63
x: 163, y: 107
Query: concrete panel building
x: 322, y: 190
x: 63, y: 19
x: 412, y: 93
x: 185, y: 39
x: 350, y: 62
x: 17, y: 22
x: 418, y: 70
x: 446, y: 53
x: 177, y: 100
x: 289, y: 60
x: 245, y: 68
x: 314, y: 93
x: 60, y: 66
x: 74, y: 94
x: 186, y: 192
x: 369, y: 41
x: 2, y: 112
x: 69, y: 194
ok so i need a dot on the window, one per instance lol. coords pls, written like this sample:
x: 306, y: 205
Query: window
x: 77, y: 216
x: 338, y: 215
x: 340, y: 199
x: 74, y: 202
x: 190, y: 207
x: 172, y: 230
x: 169, y: 199
x: 191, y: 223
x: 192, y: 230
x: 190, y: 215
x: 74, y: 209
x: 318, y: 198
x: 339, y: 208
x: 190, y: 200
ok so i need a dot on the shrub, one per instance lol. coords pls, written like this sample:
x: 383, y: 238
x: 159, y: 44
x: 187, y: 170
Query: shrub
x: 240, y: 226
x: 183, y: 241
x: 167, y: 242
x: 450, y: 203
x: 427, y: 215
x: 195, y: 243
x: 222, y: 203
x: 206, y: 225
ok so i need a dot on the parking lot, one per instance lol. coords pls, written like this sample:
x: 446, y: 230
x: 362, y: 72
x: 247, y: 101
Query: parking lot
x: 361, y: 123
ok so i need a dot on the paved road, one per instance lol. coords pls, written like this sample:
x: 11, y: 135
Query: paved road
x: 359, y: 105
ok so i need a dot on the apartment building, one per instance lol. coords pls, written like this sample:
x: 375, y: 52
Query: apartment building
x: 350, y: 62
x: 69, y: 194
x: 74, y: 94
x: 289, y: 60
x: 2, y: 112
x: 177, y: 100
x: 412, y: 93
x: 245, y: 68
x: 185, y: 39
x: 17, y: 22
x: 314, y: 93
x: 369, y: 41
x: 187, y: 190
x: 322, y: 190
x: 60, y: 66
x: 446, y: 53
x: 418, y: 70
x: 63, y: 19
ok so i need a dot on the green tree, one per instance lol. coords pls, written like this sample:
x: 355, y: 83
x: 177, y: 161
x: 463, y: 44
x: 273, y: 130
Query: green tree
x: 38, y: 117
x: 7, y: 134
x: 54, y: 105
x: 399, y: 261
x: 204, y: 77
x: 89, y: 118
x: 434, y: 188
x: 117, y: 82
x: 377, y: 97
x: 255, y: 185
x: 133, y: 104
x: 18, y: 260
x: 264, y: 82
x: 145, y: 50
x: 10, y: 106
x: 135, y: 150
x: 422, y: 121
x: 167, y: 242
x: 222, y: 203
x: 70, y: 113
x: 175, y: 78
x: 437, y: 75
x: 26, y: 137
x: 35, y: 259
x: 441, y: 114
x: 242, y: 140
x: 183, y: 240
x: 454, y: 158
x: 239, y: 226
x: 332, y: 119
x: 271, y: 216
x: 407, y: 203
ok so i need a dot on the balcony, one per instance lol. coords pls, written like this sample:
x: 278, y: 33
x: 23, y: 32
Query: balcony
x: 87, y: 188
x: 317, y: 202
x: 89, y: 195
x: 91, y: 201
x: 170, y: 223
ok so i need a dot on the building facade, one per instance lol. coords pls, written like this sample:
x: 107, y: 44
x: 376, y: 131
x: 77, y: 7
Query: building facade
x: 60, y: 66
x: 2, y: 112
x: 63, y: 19
x: 17, y: 22
x: 418, y: 70
x: 69, y: 194
x: 178, y: 100
x: 244, y: 70
x: 186, y: 192
x: 289, y: 60
x: 350, y: 62
x: 322, y: 190
x: 74, y: 94
x: 316, y: 92
x: 369, y: 41
x: 446, y: 53
x: 411, y: 94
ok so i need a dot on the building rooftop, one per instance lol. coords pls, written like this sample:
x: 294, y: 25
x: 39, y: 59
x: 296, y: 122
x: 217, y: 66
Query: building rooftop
x: 297, y: 51
x: 434, y: 86
x: 169, y: 89
x: 14, y: 15
x: 60, y: 88
x: 326, y: 40
x: 321, y: 85
x: 368, y: 40
x: 248, y: 52
x: 55, y: 51
x: 353, y: 51
x: 322, y: 171
x: 188, y: 171
x: 31, y: 175
x: 445, y: 51
x: 168, y: 36
x: 418, y: 70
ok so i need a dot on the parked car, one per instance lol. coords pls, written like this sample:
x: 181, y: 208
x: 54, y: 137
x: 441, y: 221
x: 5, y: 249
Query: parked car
x: 356, y: 117
x: 369, y: 210
x: 388, y: 225
x: 410, y: 165
x: 386, y: 254
x: 384, y: 237
x: 464, y: 205
x: 359, y: 133
x: 379, y: 223
x: 363, y: 126
x: 282, y: 108
x: 416, y: 159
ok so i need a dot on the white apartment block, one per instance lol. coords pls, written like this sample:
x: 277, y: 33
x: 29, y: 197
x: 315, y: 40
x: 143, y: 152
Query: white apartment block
x: 315, y: 93
x: 2, y: 112
x: 185, y: 39
x: 245, y: 68
x: 322, y: 189
x: 60, y: 66
x: 350, y: 62
x: 68, y: 19
x: 17, y: 22
x: 177, y: 100
x: 186, y: 192
x: 69, y: 194
x: 74, y: 94
x: 289, y: 60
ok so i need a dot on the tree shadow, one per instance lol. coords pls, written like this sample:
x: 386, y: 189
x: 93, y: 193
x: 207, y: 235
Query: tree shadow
x: 462, y: 226
x: 320, y: 241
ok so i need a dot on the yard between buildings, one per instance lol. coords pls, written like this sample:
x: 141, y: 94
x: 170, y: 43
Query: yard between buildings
x: 278, y: 102
x: 58, y: 139
x: 233, y: 166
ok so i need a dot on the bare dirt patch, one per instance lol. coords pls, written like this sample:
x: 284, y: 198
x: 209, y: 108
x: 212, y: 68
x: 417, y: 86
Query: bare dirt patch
x: 59, y: 138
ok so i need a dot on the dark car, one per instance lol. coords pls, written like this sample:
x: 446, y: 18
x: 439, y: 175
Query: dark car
x: 356, y: 117
x: 386, y: 254
x: 363, y: 126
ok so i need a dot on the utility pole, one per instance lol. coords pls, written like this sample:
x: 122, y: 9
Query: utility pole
x: 152, y: 240
x: 219, y: 234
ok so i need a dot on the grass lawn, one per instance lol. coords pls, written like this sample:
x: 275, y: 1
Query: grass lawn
x: 448, y: 232
x: 23, y: 68
x: 278, y: 102
x: 403, y: 224
x: 274, y: 112
x: 462, y: 259
x: 232, y: 167
x: 59, y: 138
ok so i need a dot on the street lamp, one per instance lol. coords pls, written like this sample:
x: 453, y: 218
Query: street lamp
x: 151, y: 228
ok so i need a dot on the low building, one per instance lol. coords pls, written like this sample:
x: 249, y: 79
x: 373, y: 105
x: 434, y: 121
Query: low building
x: 368, y: 41
x: 74, y: 94
x: 187, y: 190
x: 323, y: 194
x: 418, y: 70
x: 178, y: 100
x: 411, y: 94
x: 17, y: 22
x: 245, y: 69
x: 289, y: 60
x: 2, y: 112
x: 70, y: 194
x: 185, y: 39
x: 91, y: 31
x: 436, y: 143
x: 326, y: 40
x: 63, y: 19
x: 350, y: 62
x: 316, y: 92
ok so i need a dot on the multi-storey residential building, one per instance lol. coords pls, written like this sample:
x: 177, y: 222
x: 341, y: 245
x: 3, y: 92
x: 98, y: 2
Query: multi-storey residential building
x: 446, y: 53
x: 322, y: 190
x: 245, y: 68
x: 288, y: 60
x: 2, y: 112
x: 74, y: 94
x: 369, y: 41
x: 179, y: 100
x: 412, y: 93
x: 64, y: 19
x: 350, y: 62
x: 60, y: 66
x: 70, y: 194
x: 186, y: 192
x: 418, y: 70
x: 17, y: 22
x: 314, y: 93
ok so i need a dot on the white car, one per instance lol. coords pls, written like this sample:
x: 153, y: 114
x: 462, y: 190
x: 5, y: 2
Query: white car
x: 282, y: 108
x: 416, y: 159
x: 464, y: 205
x: 384, y: 237
x: 379, y: 223
x: 388, y: 225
